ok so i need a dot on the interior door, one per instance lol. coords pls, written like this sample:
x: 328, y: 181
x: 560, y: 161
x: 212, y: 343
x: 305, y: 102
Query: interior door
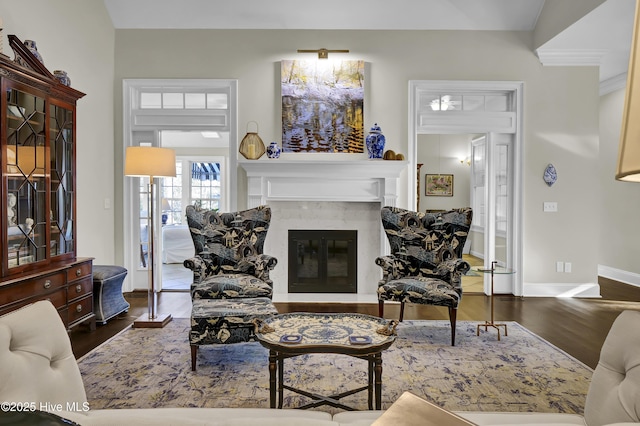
x: 493, y: 183
x: 492, y: 109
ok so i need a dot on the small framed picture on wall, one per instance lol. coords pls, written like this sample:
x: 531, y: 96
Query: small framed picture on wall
x: 438, y: 185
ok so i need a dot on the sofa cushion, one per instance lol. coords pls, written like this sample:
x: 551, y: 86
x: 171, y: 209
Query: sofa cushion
x: 419, y: 289
x: 37, y: 361
x: 201, y: 416
x: 614, y: 392
x: 364, y: 418
x: 230, y: 287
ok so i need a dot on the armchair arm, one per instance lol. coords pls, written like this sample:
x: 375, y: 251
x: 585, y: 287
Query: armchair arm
x: 393, y: 268
x: 197, y: 265
x: 258, y: 265
x: 451, y: 271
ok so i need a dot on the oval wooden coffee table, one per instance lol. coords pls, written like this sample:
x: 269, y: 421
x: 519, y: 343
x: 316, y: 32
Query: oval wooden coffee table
x: 358, y: 335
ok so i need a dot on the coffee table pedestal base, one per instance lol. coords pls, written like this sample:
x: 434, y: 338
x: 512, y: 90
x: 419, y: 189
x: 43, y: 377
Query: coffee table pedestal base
x: 276, y: 385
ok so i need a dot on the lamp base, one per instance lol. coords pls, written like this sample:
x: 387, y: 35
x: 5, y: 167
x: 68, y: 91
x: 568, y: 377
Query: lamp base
x: 158, y: 322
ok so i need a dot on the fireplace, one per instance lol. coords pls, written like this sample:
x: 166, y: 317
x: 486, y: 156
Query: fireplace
x: 325, y: 195
x: 322, y: 261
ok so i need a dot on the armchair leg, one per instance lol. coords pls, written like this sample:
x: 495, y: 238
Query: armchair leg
x: 194, y: 353
x: 381, y: 308
x: 401, y: 311
x: 452, y: 319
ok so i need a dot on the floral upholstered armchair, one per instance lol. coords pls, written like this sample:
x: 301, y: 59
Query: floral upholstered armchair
x: 231, y: 286
x: 425, y: 265
x: 229, y: 261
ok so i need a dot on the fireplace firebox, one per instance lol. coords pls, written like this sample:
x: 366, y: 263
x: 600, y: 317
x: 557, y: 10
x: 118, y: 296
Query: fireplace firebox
x: 322, y: 261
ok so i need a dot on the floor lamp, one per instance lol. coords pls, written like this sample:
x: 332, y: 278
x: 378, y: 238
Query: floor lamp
x: 151, y: 162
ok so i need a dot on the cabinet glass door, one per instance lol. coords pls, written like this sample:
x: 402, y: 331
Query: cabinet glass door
x: 61, y: 212
x: 26, y: 179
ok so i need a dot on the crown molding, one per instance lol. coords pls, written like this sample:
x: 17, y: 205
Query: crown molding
x: 565, y: 57
x: 614, y: 83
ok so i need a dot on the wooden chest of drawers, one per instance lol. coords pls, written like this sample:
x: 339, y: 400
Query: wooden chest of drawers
x: 68, y: 285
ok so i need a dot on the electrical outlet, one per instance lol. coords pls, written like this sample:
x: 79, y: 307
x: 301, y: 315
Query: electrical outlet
x: 559, y: 266
x: 567, y: 266
x: 550, y: 206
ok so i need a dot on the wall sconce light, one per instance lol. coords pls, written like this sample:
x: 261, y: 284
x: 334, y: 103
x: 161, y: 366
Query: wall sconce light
x: 465, y: 160
x: 322, y: 53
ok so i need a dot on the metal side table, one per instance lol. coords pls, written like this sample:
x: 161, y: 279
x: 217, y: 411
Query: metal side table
x: 493, y: 270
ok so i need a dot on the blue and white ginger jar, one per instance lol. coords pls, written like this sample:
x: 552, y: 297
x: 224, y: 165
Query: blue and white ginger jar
x: 273, y: 150
x: 375, y: 142
x: 31, y: 45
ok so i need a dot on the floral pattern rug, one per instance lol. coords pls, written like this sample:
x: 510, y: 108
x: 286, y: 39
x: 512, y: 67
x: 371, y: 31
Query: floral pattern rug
x: 142, y: 368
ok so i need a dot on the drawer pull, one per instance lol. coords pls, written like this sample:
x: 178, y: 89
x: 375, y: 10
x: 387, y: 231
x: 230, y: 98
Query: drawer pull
x: 79, y: 308
x: 47, y: 284
x: 78, y: 272
x: 78, y: 288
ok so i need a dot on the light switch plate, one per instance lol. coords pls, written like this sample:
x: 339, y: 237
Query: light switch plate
x: 550, y: 206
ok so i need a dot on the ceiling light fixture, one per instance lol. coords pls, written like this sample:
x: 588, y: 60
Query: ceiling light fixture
x: 323, y: 53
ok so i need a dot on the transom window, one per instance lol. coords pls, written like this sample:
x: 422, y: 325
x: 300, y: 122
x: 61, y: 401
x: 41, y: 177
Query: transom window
x: 183, y: 100
x: 494, y: 102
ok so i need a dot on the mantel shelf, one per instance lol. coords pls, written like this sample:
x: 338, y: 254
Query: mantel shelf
x: 324, y: 168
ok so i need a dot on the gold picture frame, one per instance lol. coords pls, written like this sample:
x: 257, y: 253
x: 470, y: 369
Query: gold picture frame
x: 438, y: 185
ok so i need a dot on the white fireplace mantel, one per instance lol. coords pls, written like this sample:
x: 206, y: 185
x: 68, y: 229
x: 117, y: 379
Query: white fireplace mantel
x: 308, y: 180
x: 325, y: 194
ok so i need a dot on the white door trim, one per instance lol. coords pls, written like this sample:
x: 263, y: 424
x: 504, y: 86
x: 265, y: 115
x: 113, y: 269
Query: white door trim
x: 149, y: 125
x: 439, y: 122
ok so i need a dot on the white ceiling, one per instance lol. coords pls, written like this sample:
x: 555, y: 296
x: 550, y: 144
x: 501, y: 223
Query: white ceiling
x: 603, y: 36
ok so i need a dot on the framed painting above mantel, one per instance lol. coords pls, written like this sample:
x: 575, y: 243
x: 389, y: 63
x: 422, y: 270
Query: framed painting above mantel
x: 438, y: 185
x: 322, y: 106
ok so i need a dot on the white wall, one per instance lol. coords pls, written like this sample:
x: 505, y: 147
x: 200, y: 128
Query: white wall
x: 560, y: 108
x: 78, y: 37
x: 441, y: 154
x: 619, y: 237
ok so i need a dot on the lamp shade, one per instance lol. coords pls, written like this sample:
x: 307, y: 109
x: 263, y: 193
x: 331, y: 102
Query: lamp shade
x: 150, y: 161
x: 629, y: 151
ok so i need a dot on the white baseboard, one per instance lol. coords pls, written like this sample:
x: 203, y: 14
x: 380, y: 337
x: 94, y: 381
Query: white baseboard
x: 529, y: 289
x: 326, y: 297
x: 561, y: 290
x: 626, y: 277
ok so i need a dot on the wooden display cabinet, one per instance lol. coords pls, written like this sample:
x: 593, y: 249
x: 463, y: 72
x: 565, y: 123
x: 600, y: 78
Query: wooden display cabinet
x: 38, y: 231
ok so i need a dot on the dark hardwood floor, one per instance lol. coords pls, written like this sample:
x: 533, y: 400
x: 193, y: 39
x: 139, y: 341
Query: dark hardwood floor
x: 577, y: 326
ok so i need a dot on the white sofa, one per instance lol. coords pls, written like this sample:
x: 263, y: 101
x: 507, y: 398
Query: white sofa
x: 177, y: 244
x: 38, y: 370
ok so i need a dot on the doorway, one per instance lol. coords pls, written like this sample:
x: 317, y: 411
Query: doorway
x: 199, y: 180
x: 196, y: 118
x: 487, y: 115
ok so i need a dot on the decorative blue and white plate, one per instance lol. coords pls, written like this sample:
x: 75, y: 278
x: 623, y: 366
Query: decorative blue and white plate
x: 550, y: 175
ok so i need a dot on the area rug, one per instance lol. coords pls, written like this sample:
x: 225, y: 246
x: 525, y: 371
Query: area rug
x: 143, y: 368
